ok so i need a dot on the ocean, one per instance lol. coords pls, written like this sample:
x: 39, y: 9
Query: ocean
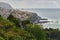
x: 51, y: 14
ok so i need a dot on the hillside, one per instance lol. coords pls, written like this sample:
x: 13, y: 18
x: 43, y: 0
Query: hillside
x: 22, y: 25
x: 10, y: 31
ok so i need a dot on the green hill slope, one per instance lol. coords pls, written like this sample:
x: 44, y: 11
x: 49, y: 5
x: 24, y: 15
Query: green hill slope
x: 9, y: 30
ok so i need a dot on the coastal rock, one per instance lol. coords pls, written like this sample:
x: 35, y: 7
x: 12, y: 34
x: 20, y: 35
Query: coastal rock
x: 35, y: 18
x: 6, y: 10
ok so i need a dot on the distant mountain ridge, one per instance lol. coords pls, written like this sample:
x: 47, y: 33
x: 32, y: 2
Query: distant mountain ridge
x: 5, y: 5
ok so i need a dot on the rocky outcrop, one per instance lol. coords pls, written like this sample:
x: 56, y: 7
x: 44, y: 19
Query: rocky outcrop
x: 20, y: 14
x: 35, y: 18
x: 6, y: 10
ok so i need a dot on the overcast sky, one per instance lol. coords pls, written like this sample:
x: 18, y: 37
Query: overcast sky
x: 33, y: 3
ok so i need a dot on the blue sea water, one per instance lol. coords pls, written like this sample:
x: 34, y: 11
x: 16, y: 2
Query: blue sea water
x: 52, y: 14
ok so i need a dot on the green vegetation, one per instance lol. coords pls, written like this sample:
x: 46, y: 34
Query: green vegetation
x: 52, y: 34
x: 36, y: 30
x: 10, y: 29
x: 14, y: 20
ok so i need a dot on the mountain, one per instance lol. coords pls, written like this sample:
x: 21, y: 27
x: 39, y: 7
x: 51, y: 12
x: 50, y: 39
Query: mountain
x: 6, y: 10
x: 5, y: 5
x: 23, y: 15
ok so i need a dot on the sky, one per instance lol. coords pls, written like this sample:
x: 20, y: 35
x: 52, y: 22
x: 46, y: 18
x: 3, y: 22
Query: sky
x: 33, y: 3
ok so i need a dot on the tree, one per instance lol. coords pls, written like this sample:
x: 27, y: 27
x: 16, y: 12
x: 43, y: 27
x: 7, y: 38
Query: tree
x: 1, y: 38
x: 14, y: 20
x: 0, y: 15
x: 58, y: 35
x: 36, y: 30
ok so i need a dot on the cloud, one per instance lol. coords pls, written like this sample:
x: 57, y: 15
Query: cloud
x: 4, y: 0
x: 34, y: 3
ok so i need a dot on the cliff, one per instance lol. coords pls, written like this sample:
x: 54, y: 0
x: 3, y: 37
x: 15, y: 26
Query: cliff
x: 6, y: 10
